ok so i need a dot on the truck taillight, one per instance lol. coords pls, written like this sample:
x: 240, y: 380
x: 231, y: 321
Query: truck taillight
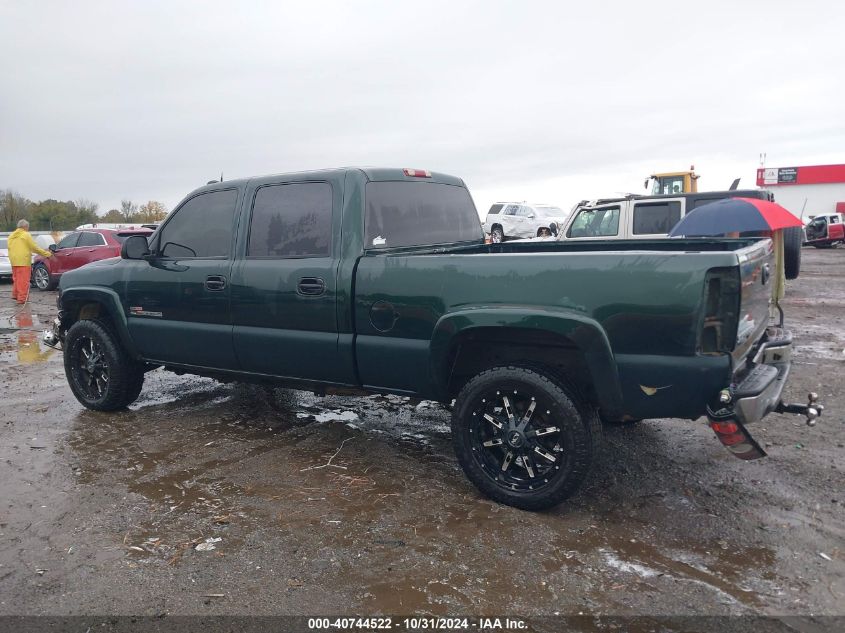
x: 721, y: 311
x: 417, y: 173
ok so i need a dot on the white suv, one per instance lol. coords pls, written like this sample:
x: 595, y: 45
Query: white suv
x: 512, y: 220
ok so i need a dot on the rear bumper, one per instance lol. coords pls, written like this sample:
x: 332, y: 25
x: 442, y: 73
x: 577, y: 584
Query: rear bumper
x: 760, y: 389
x: 756, y: 393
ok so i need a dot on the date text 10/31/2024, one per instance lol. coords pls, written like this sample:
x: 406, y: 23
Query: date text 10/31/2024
x: 417, y: 623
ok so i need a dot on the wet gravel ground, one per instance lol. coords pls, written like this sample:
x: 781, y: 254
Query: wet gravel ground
x: 207, y: 499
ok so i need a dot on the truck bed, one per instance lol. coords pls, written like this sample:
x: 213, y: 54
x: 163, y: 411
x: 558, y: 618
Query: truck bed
x: 647, y: 297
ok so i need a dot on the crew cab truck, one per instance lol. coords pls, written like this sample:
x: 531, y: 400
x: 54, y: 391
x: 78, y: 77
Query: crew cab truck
x: 379, y: 280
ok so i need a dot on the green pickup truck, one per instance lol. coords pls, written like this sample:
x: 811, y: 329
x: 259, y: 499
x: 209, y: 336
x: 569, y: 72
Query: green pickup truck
x: 379, y: 281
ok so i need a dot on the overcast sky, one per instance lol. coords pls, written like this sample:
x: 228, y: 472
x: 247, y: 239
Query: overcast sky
x: 540, y: 101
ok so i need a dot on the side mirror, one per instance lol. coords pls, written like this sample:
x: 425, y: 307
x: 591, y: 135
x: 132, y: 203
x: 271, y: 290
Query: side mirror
x: 135, y: 247
x: 52, y: 248
x: 531, y: 216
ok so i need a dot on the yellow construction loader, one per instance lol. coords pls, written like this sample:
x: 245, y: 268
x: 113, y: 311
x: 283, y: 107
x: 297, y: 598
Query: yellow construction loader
x: 673, y: 182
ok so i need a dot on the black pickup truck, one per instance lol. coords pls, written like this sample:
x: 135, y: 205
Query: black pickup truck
x: 379, y: 280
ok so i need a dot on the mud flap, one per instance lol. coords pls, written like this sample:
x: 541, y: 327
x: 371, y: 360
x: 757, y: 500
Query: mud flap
x: 733, y: 434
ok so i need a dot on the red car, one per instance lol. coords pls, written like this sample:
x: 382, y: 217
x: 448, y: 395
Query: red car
x: 77, y: 249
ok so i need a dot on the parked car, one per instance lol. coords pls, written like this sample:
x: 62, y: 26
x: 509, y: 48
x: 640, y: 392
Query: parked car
x: 825, y: 231
x: 77, y: 249
x: 250, y: 280
x: 637, y: 217
x: 515, y: 220
x: 5, y: 264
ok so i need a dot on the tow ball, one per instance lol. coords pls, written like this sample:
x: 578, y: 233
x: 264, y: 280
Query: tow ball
x: 812, y: 410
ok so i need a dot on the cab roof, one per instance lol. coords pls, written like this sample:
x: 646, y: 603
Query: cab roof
x: 373, y: 174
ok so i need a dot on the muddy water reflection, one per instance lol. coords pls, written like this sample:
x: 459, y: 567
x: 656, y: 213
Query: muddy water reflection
x: 369, y: 497
x: 23, y: 341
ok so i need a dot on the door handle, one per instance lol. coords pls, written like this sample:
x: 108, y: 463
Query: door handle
x: 215, y: 282
x: 311, y: 286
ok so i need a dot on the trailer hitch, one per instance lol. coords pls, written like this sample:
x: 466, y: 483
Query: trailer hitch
x: 812, y: 410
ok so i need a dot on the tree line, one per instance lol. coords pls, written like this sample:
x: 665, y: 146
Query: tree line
x: 66, y: 215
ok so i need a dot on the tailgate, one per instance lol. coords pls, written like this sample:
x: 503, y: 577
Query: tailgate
x: 756, y: 268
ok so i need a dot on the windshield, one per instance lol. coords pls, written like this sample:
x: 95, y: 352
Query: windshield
x: 400, y: 213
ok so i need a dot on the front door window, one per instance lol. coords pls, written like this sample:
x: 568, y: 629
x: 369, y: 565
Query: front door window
x: 202, y: 227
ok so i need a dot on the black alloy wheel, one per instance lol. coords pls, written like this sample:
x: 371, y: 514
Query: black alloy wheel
x: 521, y: 438
x: 90, y: 368
x: 100, y: 373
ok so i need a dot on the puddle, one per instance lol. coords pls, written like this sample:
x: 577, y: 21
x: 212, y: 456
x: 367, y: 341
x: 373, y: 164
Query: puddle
x: 370, y: 488
x: 22, y: 342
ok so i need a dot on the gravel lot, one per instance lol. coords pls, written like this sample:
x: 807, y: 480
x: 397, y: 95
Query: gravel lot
x: 225, y: 499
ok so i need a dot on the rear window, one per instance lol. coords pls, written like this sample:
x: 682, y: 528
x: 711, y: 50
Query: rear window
x: 418, y: 214
x: 495, y: 209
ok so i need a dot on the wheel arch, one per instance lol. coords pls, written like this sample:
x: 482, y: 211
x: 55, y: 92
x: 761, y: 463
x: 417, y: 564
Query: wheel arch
x: 91, y: 302
x: 572, y: 345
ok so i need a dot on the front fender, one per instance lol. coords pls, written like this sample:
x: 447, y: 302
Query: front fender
x: 110, y: 302
x: 585, y: 333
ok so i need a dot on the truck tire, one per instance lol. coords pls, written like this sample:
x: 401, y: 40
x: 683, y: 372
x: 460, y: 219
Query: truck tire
x: 100, y: 373
x: 792, y: 252
x: 523, y: 437
x: 41, y: 278
x: 497, y: 235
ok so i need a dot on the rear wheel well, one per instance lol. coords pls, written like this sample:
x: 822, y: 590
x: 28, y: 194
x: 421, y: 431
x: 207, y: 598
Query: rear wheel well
x: 482, y: 348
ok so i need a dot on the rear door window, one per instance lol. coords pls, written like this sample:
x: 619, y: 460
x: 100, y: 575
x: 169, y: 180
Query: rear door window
x: 202, y: 227
x: 291, y: 220
x: 419, y: 214
x: 652, y: 218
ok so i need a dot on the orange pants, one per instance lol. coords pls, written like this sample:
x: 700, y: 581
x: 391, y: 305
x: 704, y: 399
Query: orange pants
x: 20, y: 282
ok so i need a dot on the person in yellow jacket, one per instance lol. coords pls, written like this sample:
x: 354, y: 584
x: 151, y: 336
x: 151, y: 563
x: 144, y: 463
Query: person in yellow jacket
x: 21, y: 248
